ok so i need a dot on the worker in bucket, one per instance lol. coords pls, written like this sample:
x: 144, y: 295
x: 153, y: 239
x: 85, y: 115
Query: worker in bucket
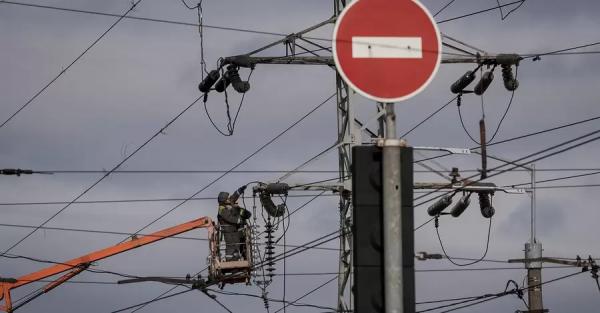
x: 232, y: 219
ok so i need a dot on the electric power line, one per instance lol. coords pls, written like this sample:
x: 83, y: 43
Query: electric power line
x: 520, y: 137
x: 443, y: 8
x: 478, y: 12
x: 517, y: 165
x: 428, y: 117
x: 535, y: 154
x: 135, y: 200
x: 105, y: 232
x: 248, y: 157
x: 557, y: 179
x: 156, y: 134
x: 37, y: 94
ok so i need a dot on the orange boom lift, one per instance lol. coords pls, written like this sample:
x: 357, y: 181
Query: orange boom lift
x: 80, y: 264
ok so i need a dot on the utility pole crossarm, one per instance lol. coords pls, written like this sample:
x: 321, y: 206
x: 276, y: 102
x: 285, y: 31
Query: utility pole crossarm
x: 467, y: 185
x: 248, y: 61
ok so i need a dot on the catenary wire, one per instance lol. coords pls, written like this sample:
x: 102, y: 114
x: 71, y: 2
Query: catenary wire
x: 556, y: 179
x: 537, y: 153
x: 487, y: 246
x: 534, y: 55
x: 159, y: 298
x: 443, y: 8
x: 516, y: 290
x: 229, y: 293
x: 312, y: 291
x: 156, y: 134
x: 39, y: 92
x: 478, y: 12
x: 519, y: 165
x: 555, y: 169
x: 428, y: 117
x: 136, y: 200
x: 141, y: 306
x: 215, y: 26
x: 248, y: 157
x: 504, y: 16
x: 462, y: 123
x: 512, y: 96
x: 307, y: 246
x: 521, y: 137
x: 92, y: 231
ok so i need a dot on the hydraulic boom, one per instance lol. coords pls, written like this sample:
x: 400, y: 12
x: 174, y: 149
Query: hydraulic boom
x: 80, y: 264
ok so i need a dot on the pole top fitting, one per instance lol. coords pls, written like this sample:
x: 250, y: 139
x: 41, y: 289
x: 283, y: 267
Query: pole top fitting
x: 391, y: 143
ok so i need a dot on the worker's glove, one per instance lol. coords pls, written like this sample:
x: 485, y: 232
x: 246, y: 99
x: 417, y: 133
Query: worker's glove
x: 241, y: 189
x: 246, y: 214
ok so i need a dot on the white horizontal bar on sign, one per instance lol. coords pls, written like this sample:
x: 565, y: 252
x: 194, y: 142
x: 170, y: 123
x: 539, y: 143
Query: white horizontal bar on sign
x: 387, y: 47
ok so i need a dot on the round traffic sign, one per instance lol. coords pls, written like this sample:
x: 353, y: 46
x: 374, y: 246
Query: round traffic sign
x: 387, y: 50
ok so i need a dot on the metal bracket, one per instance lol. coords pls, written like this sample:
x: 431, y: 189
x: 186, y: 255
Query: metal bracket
x: 446, y: 149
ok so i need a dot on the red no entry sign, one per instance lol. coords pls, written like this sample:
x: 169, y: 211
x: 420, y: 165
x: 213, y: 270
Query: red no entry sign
x: 387, y: 50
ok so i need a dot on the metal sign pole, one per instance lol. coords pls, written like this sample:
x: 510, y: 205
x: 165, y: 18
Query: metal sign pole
x: 392, y: 223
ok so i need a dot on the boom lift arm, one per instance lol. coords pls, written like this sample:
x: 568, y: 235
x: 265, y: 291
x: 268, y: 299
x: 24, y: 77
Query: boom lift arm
x: 78, y: 265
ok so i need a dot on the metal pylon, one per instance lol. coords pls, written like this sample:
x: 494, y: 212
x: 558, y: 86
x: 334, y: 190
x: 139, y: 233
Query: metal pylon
x: 348, y: 137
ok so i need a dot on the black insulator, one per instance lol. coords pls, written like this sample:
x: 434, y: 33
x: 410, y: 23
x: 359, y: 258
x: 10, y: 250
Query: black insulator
x: 277, y: 188
x: 461, y: 205
x: 241, y: 86
x: 510, y: 83
x: 222, y: 84
x: 269, y: 206
x: 485, y: 205
x: 439, y: 205
x: 209, y: 81
x: 233, y: 76
x: 484, y: 83
x: 463, y: 82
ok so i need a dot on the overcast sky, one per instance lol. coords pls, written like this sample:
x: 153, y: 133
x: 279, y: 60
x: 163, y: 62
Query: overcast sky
x: 144, y: 73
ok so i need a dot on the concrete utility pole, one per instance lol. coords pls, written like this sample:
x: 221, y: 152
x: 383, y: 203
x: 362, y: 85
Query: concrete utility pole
x: 533, y: 251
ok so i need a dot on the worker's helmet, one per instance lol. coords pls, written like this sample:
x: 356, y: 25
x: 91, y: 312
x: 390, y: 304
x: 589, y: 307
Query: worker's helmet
x: 222, y: 197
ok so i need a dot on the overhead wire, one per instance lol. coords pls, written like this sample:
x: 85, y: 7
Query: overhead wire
x: 156, y: 299
x: 229, y: 293
x: 221, y: 27
x: 139, y: 148
x: 487, y: 246
x: 537, y: 153
x: 105, y: 232
x: 520, y: 137
x: 558, y: 51
x: 428, y: 117
x: 443, y: 8
x: 519, y: 165
x: 174, y: 22
x: 508, y: 292
x: 135, y: 200
x: 261, y: 171
x: 512, y: 96
x: 504, y: 16
x: 462, y: 123
x: 556, y: 179
x: 311, y: 292
x: 64, y: 70
x: 248, y: 157
x: 305, y: 247
x: 477, y: 12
